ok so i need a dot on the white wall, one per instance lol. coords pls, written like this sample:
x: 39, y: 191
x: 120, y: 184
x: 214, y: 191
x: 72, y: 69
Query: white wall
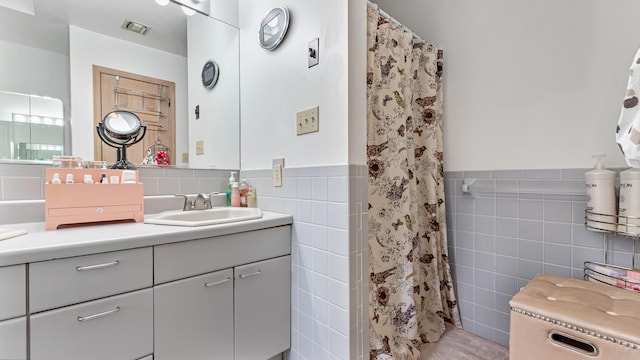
x: 528, y: 84
x: 225, y: 10
x: 89, y: 48
x: 29, y: 70
x: 357, y: 81
x: 219, y: 122
x: 275, y: 85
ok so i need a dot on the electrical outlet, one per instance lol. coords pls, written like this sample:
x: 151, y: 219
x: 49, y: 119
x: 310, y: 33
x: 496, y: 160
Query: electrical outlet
x: 199, y: 147
x: 185, y: 157
x: 308, y: 121
x: 277, y: 175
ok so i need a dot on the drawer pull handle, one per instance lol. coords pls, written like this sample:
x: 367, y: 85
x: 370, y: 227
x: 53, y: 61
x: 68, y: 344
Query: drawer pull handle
x: 99, y: 266
x: 573, y: 343
x: 242, y: 276
x: 95, y: 316
x: 217, y: 282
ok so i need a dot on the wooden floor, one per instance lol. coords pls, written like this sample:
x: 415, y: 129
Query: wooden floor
x: 457, y: 344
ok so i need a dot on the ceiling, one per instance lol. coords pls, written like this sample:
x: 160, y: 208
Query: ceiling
x: 49, y: 28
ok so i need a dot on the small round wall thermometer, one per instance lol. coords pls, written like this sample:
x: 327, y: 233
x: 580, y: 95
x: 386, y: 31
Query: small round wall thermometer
x: 210, y: 73
x: 273, y: 28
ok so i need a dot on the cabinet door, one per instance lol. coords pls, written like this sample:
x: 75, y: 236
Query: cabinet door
x: 193, y: 318
x: 263, y: 308
x: 13, y: 338
x: 13, y: 290
x: 117, y: 327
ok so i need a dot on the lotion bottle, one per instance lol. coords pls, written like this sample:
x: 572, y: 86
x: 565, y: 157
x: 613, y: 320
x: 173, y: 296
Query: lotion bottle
x: 244, y: 191
x: 601, y: 197
x: 235, y: 195
x: 251, y: 198
x: 629, y: 203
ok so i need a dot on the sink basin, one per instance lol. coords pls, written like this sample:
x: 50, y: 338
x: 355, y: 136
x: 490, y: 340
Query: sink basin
x: 213, y: 216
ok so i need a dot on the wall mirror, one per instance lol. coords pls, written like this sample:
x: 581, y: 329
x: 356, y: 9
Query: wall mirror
x: 53, y: 44
x: 31, y: 127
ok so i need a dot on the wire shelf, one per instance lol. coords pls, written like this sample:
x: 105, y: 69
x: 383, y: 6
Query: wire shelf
x: 610, y: 275
x: 618, y: 225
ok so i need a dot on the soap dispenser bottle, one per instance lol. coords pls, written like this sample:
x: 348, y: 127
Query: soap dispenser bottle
x: 601, y: 197
x: 629, y: 203
x: 235, y: 195
x: 232, y: 179
x: 244, y: 191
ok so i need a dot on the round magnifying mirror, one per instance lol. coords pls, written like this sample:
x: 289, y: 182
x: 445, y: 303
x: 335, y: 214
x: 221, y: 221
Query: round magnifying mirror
x: 273, y: 28
x: 121, y: 126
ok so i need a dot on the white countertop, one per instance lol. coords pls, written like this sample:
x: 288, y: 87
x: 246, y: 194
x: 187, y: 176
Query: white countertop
x: 40, y: 245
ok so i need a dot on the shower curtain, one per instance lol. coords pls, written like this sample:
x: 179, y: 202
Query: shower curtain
x: 410, y: 286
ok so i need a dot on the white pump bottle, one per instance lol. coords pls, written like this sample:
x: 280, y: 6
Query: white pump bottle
x: 601, y: 197
x: 629, y: 204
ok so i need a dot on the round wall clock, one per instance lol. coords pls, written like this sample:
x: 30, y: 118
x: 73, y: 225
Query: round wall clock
x: 273, y: 28
x: 210, y: 73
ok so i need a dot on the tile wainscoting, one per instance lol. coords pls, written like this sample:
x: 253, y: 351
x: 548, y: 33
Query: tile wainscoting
x: 22, y: 187
x: 329, y: 256
x: 518, y: 223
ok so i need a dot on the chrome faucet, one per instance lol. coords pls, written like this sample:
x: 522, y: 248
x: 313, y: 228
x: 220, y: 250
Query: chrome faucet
x: 188, y: 205
x: 202, y: 201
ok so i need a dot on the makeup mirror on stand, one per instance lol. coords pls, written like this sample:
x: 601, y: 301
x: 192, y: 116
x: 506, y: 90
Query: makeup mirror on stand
x: 121, y: 129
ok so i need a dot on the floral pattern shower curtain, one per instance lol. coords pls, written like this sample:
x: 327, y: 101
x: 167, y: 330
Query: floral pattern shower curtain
x: 410, y: 286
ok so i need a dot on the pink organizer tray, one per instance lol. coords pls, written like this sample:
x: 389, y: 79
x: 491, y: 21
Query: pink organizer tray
x: 80, y: 203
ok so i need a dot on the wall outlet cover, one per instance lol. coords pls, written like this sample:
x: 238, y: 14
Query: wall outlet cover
x: 185, y: 157
x: 277, y: 175
x: 199, y: 147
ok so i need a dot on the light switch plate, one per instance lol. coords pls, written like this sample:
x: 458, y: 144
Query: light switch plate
x: 199, y: 147
x: 185, y: 157
x: 314, y: 52
x: 308, y: 121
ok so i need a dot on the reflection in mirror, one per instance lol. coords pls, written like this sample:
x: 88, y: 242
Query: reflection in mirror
x: 121, y: 129
x: 57, y: 44
x: 31, y: 127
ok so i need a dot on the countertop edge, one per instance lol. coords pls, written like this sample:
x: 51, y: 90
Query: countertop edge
x: 41, y: 245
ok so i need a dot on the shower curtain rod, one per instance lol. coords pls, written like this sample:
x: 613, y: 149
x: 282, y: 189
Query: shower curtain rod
x: 393, y: 20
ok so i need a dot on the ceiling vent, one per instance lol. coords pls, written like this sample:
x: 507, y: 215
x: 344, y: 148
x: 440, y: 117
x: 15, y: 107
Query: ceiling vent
x: 136, y: 27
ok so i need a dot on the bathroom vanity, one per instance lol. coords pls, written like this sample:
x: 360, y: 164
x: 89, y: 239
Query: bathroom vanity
x: 143, y: 291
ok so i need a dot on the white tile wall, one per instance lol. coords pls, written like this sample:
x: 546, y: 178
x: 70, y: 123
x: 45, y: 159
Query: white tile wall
x: 327, y: 274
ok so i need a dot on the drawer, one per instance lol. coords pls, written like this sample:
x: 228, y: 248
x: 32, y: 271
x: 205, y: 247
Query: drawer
x: 13, y: 290
x: 189, y: 258
x: 62, y: 282
x: 94, y: 210
x: 117, y: 327
x: 13, y: 338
